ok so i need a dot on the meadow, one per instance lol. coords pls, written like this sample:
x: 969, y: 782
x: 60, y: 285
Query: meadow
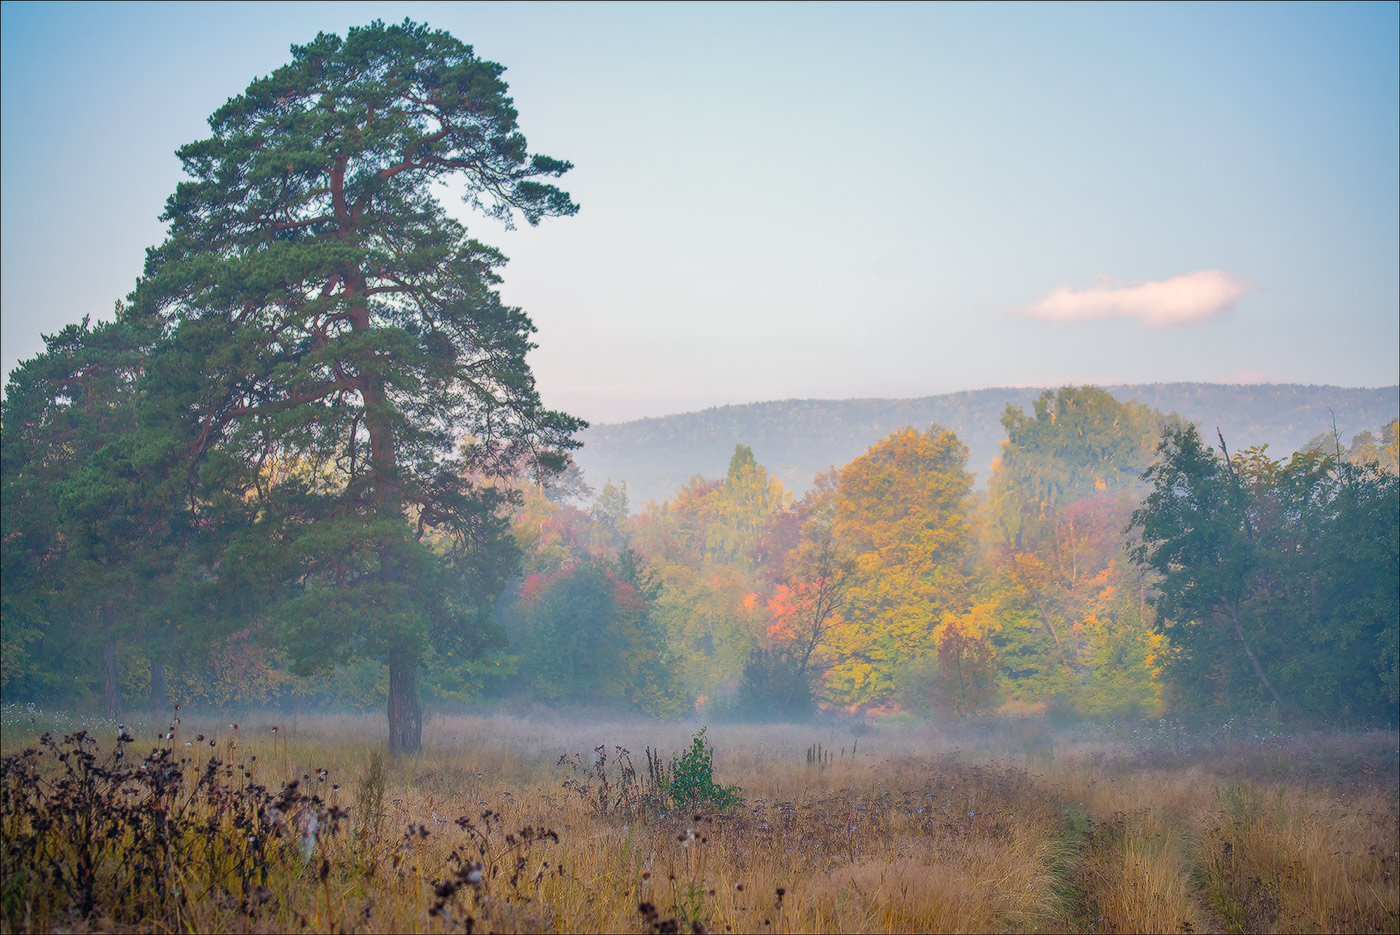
x: 540, y: 823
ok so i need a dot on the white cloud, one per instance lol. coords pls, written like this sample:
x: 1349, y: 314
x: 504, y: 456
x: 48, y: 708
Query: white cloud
x: 1175, y: 301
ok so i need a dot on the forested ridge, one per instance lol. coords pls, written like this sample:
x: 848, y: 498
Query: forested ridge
x: 798, y: 438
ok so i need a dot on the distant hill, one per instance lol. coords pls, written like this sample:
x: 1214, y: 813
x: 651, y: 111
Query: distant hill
x: 798, y: 438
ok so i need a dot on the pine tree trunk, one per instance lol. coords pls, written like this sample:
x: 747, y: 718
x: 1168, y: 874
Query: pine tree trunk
x: 405, y: 715
x: 111, y: 680
x: 160, y: 698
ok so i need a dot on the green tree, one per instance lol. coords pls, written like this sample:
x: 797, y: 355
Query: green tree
x: 343, y: 321
x: 609, y: 515
x: 94, y: 511
x: 1195, y: 535
x: 592, y: 638
x: 576, y: 634
x: 1353, y: 643
x: 749, y: 498
x: 1075, y: 443
x: 1277, y: 579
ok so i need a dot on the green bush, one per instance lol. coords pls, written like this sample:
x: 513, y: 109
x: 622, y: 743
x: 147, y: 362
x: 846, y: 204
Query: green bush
x: 689, y: 780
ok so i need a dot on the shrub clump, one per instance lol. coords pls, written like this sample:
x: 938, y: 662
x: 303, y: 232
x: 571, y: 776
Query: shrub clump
x: 613, y: 786
x: 688, y: 781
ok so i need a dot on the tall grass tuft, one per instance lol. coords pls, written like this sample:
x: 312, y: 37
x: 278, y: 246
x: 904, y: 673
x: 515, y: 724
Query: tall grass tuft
x: 370, y: 797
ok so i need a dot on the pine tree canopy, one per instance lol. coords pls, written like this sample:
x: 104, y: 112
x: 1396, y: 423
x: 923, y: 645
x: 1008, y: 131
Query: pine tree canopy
x: 347, y: 336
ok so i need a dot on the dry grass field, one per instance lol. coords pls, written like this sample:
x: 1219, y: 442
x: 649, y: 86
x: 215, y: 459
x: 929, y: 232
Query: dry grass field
x: 536, y: 824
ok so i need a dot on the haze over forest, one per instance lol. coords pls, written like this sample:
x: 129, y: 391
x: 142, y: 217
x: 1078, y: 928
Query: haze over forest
x: 799, y: 438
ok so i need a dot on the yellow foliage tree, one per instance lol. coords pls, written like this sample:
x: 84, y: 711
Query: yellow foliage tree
x: 901, y: 516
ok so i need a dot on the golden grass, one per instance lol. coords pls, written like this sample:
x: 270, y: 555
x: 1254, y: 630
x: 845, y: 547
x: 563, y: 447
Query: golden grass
x: 908, y: 829
x: 1194, y: 841
x: 1292, y: 860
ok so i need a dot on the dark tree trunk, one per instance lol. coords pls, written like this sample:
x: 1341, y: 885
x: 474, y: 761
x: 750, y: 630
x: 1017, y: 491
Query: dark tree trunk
x: 1234, y: 617
x: 160, y: 697
x: 405, y: 715
x: 111, y: 680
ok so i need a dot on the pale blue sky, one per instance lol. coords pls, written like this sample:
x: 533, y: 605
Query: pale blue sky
x: 814, y: 200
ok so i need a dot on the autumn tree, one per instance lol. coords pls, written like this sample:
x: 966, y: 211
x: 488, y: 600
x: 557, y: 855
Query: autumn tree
x: 902, y: 517
x: 703, y: 546
x: 336, y: 312
x: 1367, y: 448
x: 1390, y: 447
x: 548, y: 533
x: 749, y: 497
x: 1074, y: 630
x: 805, y: 610
x: 1076, y: 442
x: 966, y: 682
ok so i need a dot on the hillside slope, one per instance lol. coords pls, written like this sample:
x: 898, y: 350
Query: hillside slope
x: 797, y: 438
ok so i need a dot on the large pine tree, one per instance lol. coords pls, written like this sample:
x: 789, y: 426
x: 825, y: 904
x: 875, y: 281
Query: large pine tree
x: 349, y: 336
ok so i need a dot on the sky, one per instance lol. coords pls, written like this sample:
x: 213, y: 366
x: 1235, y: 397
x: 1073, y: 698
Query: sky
x: 812, y: 200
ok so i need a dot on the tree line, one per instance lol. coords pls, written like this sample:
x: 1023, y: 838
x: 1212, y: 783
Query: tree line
x: 1118, y: 564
